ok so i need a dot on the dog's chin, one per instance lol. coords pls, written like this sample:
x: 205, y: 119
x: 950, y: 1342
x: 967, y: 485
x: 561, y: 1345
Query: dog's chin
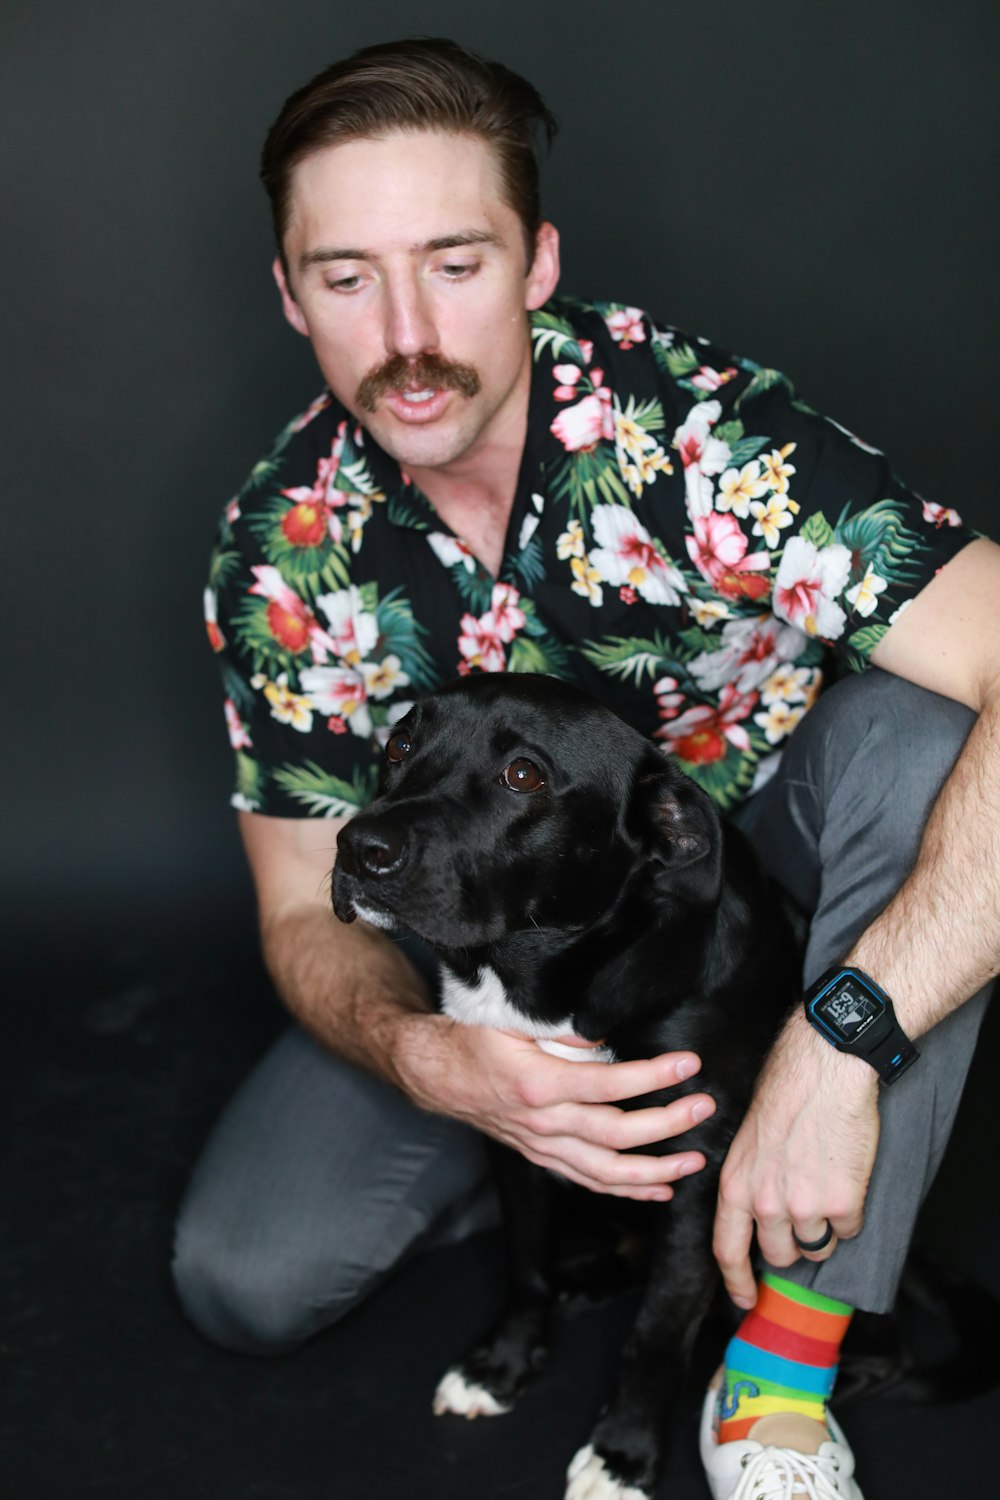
x: 369, y: 914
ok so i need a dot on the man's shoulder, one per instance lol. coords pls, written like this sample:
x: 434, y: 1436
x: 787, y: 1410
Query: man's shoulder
x: 629, y: 340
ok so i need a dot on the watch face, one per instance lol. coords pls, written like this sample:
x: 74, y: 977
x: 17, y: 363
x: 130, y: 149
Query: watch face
x: 848, y: 1009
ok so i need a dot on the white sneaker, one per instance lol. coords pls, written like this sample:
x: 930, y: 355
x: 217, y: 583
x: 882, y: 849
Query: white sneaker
x: 757, y: 1468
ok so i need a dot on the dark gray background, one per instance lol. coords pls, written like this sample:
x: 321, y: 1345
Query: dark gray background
x: 813, y: 184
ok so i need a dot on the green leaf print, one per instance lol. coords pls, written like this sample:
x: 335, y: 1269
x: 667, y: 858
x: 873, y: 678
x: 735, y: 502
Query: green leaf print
x: 557, y: 335
x: 251, y: 779
x: 253, y: 634
x: 527, y: 569
x: 763, y: 380
x: 324, y: 795
x: 746, y: 449
x: 726, y: 781
x: 817, y: 530
x: 862, y: 643
x: 223, y: 565
x: 628, y: 658
x: 681, y: 360
x: 475, y: 589
x: 878, y: 538
x: 729, y: 432
x: 400, y: 635
x: 585, y: 479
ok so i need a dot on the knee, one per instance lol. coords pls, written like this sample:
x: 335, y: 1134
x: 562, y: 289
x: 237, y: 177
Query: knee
x: 888, y: 743
x: 236, y: 1296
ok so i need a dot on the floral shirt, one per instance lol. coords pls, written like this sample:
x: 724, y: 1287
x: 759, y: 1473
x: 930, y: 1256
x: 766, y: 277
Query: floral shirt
x: 689, y: 541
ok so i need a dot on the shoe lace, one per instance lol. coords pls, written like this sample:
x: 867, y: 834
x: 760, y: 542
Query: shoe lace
x: 781, y: 1474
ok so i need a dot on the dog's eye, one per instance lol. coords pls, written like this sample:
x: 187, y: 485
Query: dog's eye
x: 522, y: 776
x: 397, y: 748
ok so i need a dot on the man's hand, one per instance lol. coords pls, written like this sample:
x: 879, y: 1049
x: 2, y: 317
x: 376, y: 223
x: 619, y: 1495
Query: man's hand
x: 559, y: 1114
x: 804, y: 1154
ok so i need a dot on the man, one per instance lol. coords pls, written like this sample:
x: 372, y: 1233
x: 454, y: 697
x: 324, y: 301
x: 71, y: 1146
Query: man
x: 497, y: 481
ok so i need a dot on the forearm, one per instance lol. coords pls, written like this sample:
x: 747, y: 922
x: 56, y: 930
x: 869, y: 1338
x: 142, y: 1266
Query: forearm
x: 938, y: 941
x: 351, y: 987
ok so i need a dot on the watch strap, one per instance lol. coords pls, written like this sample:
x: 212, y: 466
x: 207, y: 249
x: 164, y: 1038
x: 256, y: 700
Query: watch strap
x: 889, y: 1051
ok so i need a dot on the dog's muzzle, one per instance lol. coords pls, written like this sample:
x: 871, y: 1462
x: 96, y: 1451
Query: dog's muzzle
x: 367, y: 851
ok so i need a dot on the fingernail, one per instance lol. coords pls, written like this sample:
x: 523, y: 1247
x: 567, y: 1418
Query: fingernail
x: 690, y: 1166
x: 702, y: 1110
x: 745, y: 1303
x: 687, y: 1067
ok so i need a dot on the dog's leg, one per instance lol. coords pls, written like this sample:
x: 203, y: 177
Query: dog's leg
x: 491, y: 1378
x: 623, y: 1458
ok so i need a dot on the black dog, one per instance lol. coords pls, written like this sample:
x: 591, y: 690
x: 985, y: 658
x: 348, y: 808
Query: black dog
x: 573, y: 880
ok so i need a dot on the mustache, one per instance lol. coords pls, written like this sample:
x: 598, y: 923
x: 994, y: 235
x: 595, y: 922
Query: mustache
x: 425, y: 372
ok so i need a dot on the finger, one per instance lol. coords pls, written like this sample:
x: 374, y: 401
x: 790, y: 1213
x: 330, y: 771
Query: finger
x: 612, y: 1081
x: 811, y: 1233
x: 623, y: 1129
x: 610, y: 1170
x: 775, y: 1241
x: 731, y: 1247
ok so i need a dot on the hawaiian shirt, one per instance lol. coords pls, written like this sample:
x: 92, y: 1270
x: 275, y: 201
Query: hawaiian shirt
x: 689, y: 541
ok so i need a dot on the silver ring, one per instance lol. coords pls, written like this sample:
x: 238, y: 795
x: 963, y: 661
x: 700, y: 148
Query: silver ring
x: 813, y: 1245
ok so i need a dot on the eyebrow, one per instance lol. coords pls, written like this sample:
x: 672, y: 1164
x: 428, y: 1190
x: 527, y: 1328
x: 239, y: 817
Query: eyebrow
x: 442, y: 242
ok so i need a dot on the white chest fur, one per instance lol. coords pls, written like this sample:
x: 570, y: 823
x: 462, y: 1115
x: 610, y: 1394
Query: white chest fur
x: 486, y: 1004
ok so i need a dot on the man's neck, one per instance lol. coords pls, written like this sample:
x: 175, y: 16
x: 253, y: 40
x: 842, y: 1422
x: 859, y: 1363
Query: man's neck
x: 474, y: 495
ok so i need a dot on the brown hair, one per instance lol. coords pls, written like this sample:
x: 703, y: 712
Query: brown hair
x: 423, y: 83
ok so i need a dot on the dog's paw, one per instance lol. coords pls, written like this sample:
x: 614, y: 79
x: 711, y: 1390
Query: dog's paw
x: 462, y: 1397
x: 590, y: 1478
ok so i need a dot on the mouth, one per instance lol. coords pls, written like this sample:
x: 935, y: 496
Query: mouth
x: 423, y: 405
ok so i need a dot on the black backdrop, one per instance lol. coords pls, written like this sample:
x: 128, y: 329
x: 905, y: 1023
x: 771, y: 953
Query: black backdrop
x: 813, y: 184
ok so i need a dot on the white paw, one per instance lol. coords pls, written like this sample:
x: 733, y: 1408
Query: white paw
x: 589, y: 1479
x: 458, y: 1395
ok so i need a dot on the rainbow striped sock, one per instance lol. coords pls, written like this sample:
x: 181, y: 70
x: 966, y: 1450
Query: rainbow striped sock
x: 784, y: 1357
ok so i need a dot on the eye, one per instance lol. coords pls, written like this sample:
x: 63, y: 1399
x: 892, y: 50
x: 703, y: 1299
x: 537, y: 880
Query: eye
x: 522, y: 776
x: 397, y: 748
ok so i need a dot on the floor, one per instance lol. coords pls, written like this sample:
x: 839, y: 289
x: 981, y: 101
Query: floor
x: 113, y: 1081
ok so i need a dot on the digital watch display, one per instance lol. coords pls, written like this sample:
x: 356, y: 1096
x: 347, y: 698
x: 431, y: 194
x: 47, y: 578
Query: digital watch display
x: 852, y: 1012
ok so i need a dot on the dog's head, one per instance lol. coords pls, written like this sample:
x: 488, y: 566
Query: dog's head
x: 516, y: 801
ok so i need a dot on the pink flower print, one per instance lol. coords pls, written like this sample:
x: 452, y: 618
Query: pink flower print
x: 701, y: 454
x: 940, y: 515
x: 718, y: 550
x: 583, y: 426
x: 289, y: 618
x: 806, y: 588
x: 626, y: 556
x: 339, y: 693
x: 507, y: 619
x: 708, y: 379
x: 239, y: 737
x: 626, y: 326
x: 700, y: 735
x: 567, y: 376
x: 481, y: 645
x: 668, y: 700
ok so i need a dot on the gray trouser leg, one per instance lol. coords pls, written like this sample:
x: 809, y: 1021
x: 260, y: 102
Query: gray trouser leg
x: 840, y: 827
x: 316, y: 1181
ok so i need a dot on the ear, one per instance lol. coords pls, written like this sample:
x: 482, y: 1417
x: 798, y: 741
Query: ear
x: 289, y: 306
x: 543, y: 273
x: 685, y: 837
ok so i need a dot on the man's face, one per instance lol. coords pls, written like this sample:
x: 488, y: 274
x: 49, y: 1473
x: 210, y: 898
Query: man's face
x: 406, y: 270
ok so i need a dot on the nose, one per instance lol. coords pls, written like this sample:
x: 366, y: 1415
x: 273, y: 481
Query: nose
x: 371, y: 849
x: 410, y: 327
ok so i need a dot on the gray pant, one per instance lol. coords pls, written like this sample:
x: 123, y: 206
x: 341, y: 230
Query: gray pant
x: 318, y: 1179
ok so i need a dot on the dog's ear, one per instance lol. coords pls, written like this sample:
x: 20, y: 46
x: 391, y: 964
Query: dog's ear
x: 684, y: 836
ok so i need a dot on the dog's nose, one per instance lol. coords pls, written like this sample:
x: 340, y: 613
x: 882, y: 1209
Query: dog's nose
x: 375, y: 849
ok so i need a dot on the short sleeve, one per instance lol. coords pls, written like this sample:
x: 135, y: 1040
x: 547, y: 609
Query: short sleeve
x: 851, y: 545
x: 289, y: 631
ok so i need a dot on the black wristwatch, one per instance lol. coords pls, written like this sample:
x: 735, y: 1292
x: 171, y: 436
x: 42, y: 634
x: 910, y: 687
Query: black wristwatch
x: 850, y: 1010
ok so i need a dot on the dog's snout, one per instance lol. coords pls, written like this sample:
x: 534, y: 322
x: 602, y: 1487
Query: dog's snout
x: 373, y: 849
